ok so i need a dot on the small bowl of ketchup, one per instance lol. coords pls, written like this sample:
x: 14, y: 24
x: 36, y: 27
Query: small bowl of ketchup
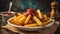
x: 8, y: 14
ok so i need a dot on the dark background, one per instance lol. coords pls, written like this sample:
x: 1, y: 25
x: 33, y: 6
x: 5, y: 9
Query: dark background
x: 44, y: 5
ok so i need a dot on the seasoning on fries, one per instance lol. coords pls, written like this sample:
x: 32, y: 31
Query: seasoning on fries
x: 31, y: 20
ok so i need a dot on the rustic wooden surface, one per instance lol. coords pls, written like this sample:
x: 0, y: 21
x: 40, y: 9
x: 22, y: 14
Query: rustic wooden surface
x: 49, y: 30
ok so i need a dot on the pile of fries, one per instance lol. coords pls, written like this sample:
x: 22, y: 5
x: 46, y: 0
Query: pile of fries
x: 31, y: 20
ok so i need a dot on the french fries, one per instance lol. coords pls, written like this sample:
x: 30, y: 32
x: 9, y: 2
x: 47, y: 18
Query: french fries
x: 21, y: 20
x: 18, y: 20
x: 14, y: 22
x: 50, y: 20
x: 45, y: 17
x: 37, y: 20
x: 27, y: 19
x: 31, y: 25
x: 40, y: 14
x: 19, y: 14
x: 17, y: 17
x: 31, y: 20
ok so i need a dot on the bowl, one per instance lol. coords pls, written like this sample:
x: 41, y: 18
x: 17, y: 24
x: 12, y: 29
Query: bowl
x: 30, y: 28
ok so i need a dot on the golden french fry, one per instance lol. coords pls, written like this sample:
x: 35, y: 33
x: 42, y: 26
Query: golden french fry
x: 27, y: 19
x: 21, y: 20
x: 19, y: 14
x: 15, y: 18
x: 31, y: 25
x: 14, y: 22
x: 50, y: 20
x: 40, y: 14
x: 18, y: 20
x: 37, y: 20
x: 19, y: 17
x: 45, y: 17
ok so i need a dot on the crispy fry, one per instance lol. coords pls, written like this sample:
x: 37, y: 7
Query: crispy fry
x: 15, y: 18
x: 18, y: 20
x: 19, y: 14
x: 47, y: 22
x: 21, y: 20
x: 14, y: 22
x: 40, y: 14
x: 31, y: 25
x: 27, y: 19
x: 45, y: 17
x: 37, y: 20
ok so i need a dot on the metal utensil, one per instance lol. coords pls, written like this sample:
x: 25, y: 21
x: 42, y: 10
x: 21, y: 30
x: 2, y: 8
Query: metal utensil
x: 10, y: 6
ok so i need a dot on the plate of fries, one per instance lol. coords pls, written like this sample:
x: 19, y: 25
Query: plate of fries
x: 31, y: 21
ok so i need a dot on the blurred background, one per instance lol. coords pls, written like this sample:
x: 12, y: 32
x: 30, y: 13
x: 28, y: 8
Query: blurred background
x: 22, y: 5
